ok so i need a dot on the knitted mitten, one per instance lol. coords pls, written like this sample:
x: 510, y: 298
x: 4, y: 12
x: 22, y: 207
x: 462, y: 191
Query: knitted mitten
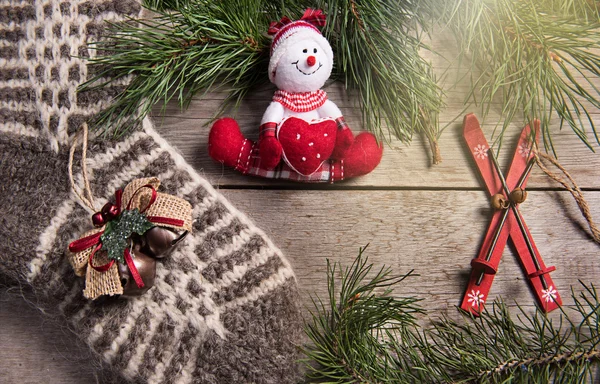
x: 223, y: 306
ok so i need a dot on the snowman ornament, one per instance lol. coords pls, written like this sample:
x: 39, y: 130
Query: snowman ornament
x: 303, y: 135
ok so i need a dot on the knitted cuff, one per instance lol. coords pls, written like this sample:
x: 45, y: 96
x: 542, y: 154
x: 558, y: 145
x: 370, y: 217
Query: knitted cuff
x: 223, y: 306
x: 341, y: 123
x: 267, y: 130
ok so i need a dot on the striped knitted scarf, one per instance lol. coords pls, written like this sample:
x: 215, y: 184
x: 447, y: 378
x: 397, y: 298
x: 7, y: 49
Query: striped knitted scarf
x: 223, y: 308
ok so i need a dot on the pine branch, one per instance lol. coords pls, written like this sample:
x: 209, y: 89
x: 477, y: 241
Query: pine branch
x: 537, y: 56
x: 195, y: 46
x: 366, y: 335
x: 198, y: 48
x: 562, y: 359
x: 348, y: 334
x: 165, y: 4
x: 377, y: 46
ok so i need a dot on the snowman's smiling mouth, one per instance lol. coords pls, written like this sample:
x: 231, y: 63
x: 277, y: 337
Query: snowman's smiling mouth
x: 304, y: 73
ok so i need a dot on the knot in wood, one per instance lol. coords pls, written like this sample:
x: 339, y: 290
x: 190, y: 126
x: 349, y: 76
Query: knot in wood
x: 499, y: 201
x: 518, y: 195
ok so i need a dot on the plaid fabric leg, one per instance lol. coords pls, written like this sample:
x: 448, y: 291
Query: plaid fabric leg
x: 336, y: 171
x: 284, y: 172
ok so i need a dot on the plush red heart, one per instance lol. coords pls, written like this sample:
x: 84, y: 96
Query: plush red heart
x: 306, y: 145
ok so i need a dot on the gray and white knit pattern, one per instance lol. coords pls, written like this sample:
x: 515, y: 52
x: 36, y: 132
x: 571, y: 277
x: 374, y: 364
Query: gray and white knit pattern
x: 224, y: 306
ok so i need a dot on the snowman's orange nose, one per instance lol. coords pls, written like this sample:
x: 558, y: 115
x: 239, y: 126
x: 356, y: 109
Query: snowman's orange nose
x: 311, y: 60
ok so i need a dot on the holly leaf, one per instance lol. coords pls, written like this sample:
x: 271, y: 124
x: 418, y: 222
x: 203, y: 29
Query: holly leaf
x: 117, y: 232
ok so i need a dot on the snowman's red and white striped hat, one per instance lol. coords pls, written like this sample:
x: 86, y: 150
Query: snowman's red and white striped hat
x: 287, y: 32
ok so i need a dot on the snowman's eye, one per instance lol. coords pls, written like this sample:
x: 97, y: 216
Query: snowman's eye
x: 315, y: 50
x: 305, y: 50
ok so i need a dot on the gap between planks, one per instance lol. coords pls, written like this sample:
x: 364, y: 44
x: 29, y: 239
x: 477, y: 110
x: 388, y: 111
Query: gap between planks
x: 350, y: 188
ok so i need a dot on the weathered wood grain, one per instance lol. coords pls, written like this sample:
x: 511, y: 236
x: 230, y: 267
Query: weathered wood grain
x: 403, y: 166
x: 415, y: 216
x: 436, y: 233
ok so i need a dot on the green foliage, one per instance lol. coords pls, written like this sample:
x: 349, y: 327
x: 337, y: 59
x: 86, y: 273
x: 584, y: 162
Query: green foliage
x: 118, y: 231
x: 532, y: 348
x: 165, y: 4
x: 178, y: 54
x: 536, y: 57
x: 348, y: 334
x: 377, y: 47
x: 196, y: 46
x: 366, y: 335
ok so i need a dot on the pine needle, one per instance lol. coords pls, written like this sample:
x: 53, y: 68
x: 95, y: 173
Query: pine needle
x: 538, y: 58
x: 200, y: 48
x: 377, y: 47
x: 196, y: 46
x: 367, y: 335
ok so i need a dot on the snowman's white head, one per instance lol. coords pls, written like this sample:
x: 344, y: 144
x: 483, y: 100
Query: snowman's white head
x: 301, y: 58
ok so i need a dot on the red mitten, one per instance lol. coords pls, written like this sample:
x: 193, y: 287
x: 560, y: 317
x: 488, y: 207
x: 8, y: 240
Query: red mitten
x: 269, y: 147
x: 363, y: 156
x: 343, y: 139
x: 270, y: 152
x: 225, y: 142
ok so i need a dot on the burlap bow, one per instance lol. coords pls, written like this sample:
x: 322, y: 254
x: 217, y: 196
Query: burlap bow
x: 161, y: 209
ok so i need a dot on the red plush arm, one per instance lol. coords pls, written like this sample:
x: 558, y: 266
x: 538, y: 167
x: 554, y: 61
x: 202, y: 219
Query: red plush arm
x: 343, y: 140
x: 269, y: 147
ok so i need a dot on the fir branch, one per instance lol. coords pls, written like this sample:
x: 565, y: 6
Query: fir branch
x: 562, y: 359
x: 536, y: 56
x: 165, y: 4
x: 367, y: 335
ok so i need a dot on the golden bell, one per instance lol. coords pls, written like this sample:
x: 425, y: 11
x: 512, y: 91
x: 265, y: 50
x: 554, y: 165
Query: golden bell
x: 499, y: 201
x: 518, y: 195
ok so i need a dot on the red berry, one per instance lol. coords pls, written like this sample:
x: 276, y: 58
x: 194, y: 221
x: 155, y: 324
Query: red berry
x: 98, y: 219
x: 110, y: 211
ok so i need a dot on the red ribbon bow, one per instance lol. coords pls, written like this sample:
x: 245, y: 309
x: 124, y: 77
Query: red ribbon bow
x: 314, y: 17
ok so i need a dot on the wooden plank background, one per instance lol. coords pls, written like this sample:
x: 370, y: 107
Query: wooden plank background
x: 414, y: 216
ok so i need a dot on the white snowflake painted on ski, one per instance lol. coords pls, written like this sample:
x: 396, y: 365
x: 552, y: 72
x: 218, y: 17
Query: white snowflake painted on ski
x: 480, y: 152
x: 524, y: 150
x: 475, y: 298
x: 549, y: 294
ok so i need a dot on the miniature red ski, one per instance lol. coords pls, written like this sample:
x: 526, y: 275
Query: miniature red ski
x: 505, y: 223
